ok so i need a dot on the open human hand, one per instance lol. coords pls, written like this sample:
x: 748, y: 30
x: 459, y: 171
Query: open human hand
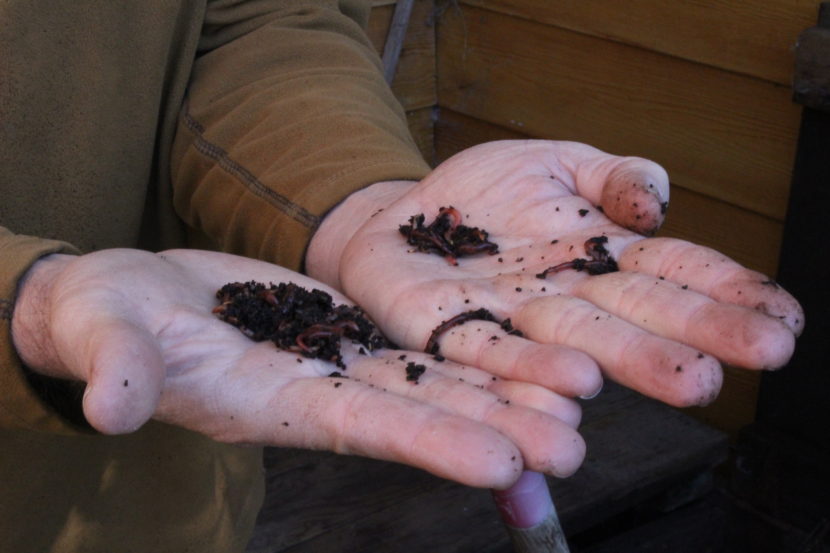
x: 138, y: 329
x: 661, y: 324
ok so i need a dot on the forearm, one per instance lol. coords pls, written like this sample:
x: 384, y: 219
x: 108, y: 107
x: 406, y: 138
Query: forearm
x: 287, y: 114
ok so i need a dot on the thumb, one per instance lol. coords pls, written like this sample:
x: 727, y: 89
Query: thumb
x: 125, y: 376
x: 633, y: 192
x: 636, y: 195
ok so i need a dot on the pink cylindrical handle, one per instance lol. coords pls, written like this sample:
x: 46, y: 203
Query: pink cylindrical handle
x: 527, y: 502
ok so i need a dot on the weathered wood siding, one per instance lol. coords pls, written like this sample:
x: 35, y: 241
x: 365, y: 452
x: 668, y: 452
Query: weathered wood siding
x: 414, y: 82
x: 700, y: 87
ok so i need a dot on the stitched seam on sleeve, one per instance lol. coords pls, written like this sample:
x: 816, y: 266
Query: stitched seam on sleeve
x: 220, y: 156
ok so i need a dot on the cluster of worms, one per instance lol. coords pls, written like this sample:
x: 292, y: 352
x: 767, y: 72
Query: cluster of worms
x: 296, y: 319
x: 447, y: 236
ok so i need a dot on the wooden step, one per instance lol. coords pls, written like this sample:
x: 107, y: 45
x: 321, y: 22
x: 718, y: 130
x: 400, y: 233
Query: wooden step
x: 638, y: 450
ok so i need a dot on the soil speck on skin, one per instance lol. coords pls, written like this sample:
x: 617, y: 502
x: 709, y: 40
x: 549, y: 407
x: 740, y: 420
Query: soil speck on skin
x: 678, y: 369
x: 583, y: 212
x: 295, y: 319
x: 126, y: 383
x: 414, y: 372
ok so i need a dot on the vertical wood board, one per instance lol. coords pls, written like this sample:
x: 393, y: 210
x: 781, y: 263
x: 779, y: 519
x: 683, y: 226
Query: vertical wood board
x: 414, y: 83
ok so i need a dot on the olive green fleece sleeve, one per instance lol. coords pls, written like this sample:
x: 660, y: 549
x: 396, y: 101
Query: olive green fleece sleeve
x: 287, y: 113
x: 20, y: 404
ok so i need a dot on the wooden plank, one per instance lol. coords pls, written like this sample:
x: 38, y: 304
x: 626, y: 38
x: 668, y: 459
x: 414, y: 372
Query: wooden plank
x: 693, y: 529
x: 754, y: 38
x: 717, y: 133
x: 637, y: 449
x: 421, y: 126
x: 414, y: 83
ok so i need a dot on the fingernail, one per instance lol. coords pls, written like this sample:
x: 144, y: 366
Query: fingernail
x: 593, y: 395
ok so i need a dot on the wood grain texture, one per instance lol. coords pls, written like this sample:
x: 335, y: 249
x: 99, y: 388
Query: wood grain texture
x: 324, y: 503
x: 753, y: 38
x: 414, y: 83
x: 720, y: 134
x: 421, y: 126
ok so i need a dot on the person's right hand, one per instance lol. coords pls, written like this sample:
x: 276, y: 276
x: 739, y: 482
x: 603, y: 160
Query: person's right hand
x: 138, y: 329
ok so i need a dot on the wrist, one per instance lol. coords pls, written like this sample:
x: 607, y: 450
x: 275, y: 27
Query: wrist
x: 326, y: 248
x: 30, y: 328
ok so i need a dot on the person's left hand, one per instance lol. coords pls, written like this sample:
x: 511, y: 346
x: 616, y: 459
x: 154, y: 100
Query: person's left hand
x: 660, y: 325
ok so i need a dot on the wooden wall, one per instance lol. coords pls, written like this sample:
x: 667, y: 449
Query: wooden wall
x: 414, y: 82
x: 700, y: 86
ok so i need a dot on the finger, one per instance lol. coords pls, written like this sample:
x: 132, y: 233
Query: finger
x: 633, y: 192
x: 546, y: 443
x: 539, y: 398
x: 516, y: 392
x: 486, y: 345
x: 265, y: 397
x: 709, y: 272
x: 124, y: 373
x: 663, y: 369
x: 348, y: 417
x: 731, y: 333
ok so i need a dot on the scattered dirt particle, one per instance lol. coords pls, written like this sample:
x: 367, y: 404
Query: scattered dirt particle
x: 126, y: 383
x: 414, y: 372
x: 583, y: 212
x: 678, y: 369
